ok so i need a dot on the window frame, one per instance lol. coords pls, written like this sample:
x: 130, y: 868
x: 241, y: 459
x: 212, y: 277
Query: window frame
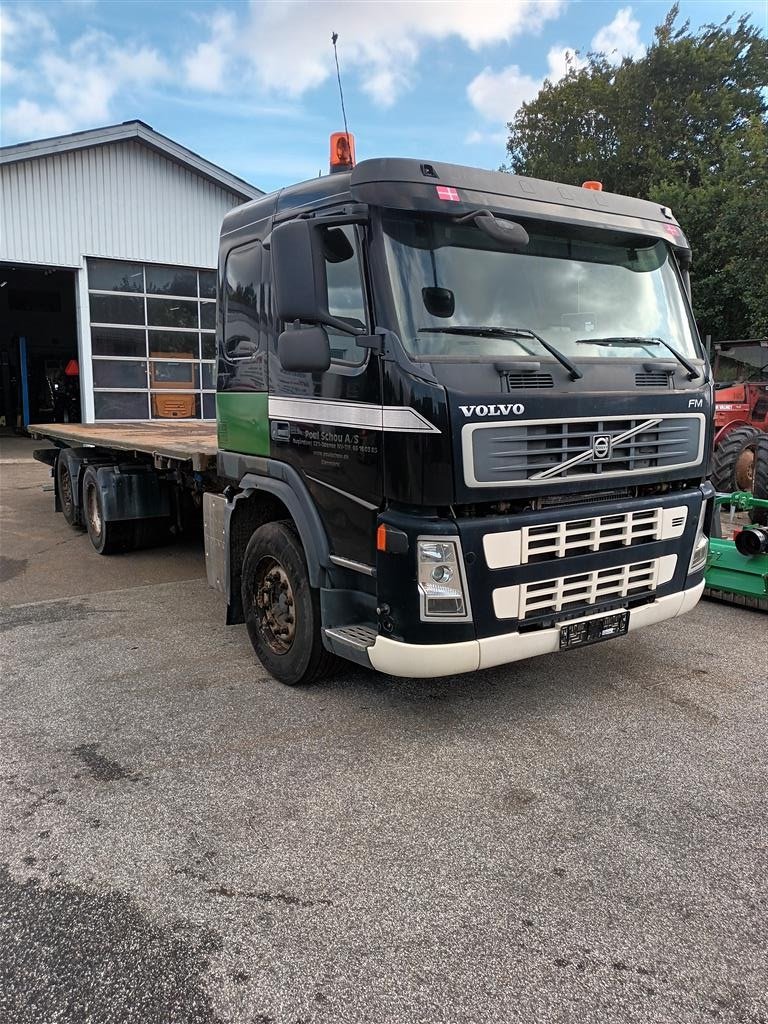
x: 258, y: 280
x: 347, y: 366
x: 201, y: 333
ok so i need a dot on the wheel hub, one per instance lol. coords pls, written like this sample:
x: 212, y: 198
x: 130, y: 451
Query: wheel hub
x: 92, y: 508
x: 65, y: 488
x: 744, y: 474
x: 274, y: 603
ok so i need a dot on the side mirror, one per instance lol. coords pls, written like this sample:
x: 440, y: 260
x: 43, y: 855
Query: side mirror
x: 439, y: 301
x: 300, y: 285
x: 304, y: 350
x: 299, y: 250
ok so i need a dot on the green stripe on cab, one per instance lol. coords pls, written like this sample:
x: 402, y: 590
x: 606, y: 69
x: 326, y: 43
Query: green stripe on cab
x: 242, y: 420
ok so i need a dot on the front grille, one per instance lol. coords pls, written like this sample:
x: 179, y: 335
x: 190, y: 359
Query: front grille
x: 571, y: 537
x: 652, y: 379
x: 586, y: 588
x: 583, y: 591
x: 555, y: 451
x: 528, y: 381
x: 580, y: 536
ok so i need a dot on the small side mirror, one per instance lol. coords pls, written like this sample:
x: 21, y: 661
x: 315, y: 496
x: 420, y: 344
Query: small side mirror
x: 508, y: 232
x: 304, y: 350
x: 439, y: 301
x: 239, y: 346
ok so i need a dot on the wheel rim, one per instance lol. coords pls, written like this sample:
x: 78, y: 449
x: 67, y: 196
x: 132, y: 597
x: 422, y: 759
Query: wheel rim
x: 65, y: 489
x: 92, y: 510
x: 744, y: 473
x: 274, y: 604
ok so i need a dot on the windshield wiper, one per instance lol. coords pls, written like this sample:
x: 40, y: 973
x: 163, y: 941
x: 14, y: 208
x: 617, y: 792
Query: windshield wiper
x: 630, y: 341
x: 508, y: 332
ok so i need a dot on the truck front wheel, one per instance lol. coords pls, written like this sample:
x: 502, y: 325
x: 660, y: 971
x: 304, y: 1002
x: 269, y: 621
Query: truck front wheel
x: 282, y: 610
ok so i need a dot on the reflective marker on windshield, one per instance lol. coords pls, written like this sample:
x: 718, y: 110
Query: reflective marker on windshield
x: 451, y: 194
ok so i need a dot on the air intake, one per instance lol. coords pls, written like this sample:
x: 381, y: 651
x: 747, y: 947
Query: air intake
x: 526, y: 381
x: 652, y: 379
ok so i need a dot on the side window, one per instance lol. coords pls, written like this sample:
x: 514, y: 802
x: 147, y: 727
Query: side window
x: 243, y: 303
x: 346, y: 298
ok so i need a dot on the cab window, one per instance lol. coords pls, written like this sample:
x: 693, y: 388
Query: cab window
x: 346, y: 298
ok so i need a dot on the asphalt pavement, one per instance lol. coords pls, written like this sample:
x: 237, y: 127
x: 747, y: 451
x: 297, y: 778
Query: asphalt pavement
x: 578, y: 838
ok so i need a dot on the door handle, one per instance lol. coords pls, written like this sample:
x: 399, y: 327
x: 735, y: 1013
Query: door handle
x: 280, y: 431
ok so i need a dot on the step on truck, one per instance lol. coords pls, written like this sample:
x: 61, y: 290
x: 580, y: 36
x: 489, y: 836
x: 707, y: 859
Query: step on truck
x: 463, y: 418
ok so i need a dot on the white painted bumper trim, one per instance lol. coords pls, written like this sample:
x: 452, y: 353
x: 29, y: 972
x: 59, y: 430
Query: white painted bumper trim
x: 430, y: 661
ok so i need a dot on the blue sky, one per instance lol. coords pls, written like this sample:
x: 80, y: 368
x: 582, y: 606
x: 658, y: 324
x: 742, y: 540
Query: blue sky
x: 251, y: 86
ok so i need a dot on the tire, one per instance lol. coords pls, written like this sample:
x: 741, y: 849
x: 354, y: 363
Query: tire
x: 109, y: 538
x: 282, y: 610
x: 733, y: 462
x: 65, y: 487
x: 760, y: 479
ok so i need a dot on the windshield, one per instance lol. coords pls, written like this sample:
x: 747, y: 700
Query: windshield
x: 563, y: 287
x: 736, y: 363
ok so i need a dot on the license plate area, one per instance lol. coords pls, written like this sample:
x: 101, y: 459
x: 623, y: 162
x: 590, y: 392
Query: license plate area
x: 593, y: 631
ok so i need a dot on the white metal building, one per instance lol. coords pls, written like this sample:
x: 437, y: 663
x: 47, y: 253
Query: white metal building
x: 108, y: 245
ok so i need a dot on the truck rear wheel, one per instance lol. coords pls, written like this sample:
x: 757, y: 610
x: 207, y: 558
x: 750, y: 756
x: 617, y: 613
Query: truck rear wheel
x: 734, y: 460
x: 282, y: 610
x: 108, y: 538
x: 66, y: 488
x: 759, y: 516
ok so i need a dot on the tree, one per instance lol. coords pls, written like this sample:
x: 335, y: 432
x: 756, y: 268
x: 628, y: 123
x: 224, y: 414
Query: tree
x: 686, y: 126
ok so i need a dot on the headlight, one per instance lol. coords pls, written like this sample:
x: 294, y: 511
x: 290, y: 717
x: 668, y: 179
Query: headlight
x: 700, y: 545
x: 442, y: 586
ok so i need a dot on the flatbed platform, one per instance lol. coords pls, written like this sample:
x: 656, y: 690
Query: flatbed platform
x: 189, y: 441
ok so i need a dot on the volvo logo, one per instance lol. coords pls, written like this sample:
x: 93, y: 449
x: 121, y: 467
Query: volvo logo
x: 601, y: 447
x: 516, y: 409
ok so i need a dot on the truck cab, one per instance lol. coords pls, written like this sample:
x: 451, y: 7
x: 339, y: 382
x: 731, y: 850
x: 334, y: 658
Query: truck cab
x: 463, y: 419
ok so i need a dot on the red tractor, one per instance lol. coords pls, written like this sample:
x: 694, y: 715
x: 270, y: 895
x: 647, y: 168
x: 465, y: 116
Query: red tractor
x: 740, y: 461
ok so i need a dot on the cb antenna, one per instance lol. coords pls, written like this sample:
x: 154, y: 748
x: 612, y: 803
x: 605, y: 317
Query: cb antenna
x: 334, y: 39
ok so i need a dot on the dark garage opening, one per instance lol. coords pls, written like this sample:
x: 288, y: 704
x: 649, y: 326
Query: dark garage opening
x: 38, y: 345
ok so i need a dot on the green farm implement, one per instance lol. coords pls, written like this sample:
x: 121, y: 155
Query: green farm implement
x: 737, y: 569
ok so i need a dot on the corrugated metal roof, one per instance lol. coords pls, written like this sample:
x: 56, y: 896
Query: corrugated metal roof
x: 130, y: 130
x: 120, y: 200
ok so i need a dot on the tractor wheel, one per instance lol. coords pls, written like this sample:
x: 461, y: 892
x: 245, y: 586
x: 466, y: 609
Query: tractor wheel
x: 734, y: 461
x: 759, y: 516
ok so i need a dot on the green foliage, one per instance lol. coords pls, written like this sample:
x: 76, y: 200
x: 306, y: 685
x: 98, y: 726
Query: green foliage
x: 686, y: 126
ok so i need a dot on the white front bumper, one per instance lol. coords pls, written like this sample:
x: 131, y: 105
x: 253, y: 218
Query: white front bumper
x: 429, y: 661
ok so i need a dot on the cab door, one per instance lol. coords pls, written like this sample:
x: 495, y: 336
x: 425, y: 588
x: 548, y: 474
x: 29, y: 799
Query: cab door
x: 329, y: 425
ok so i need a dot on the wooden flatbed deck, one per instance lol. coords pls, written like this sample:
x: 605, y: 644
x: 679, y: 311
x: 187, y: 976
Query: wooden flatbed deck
x: 193, y: 442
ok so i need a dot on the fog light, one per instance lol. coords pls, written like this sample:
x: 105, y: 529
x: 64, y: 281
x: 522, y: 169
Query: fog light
x: 442, y: 587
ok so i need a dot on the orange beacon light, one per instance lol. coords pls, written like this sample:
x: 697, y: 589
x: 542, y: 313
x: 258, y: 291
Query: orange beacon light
x: 342, y: 151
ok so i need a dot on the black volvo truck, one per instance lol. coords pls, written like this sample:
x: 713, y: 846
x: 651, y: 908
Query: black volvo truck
x: 463, y: 418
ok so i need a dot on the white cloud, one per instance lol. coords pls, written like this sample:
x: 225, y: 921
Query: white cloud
x: 205, y: 68
x: 22, y: 24
x: 490, y: 138
x: 285, y: 45
x: 620, y: 38
x: 77, y: 85
x: 498, y: 95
